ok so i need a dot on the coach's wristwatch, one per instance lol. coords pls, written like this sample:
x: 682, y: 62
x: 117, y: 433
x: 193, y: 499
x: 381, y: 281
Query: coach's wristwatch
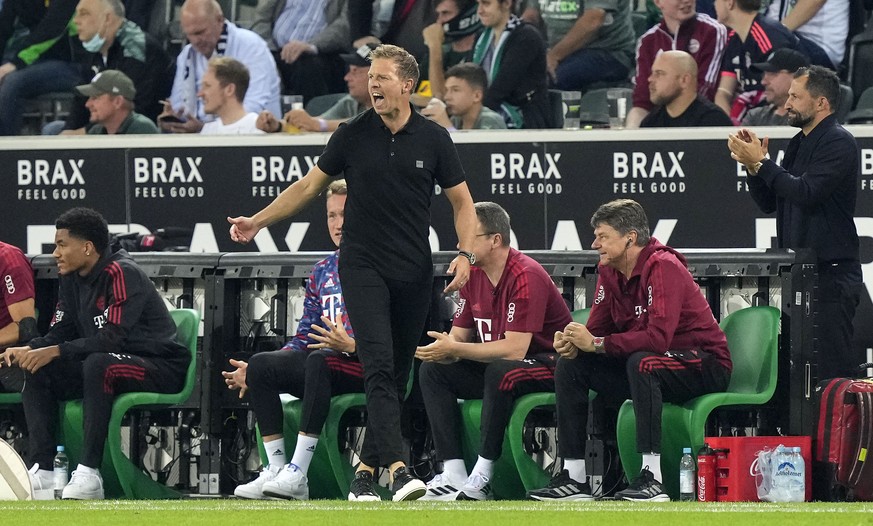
x: 471, y: 257
x: 598, y: 345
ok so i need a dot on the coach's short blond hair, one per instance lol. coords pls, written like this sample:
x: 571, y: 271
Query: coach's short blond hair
x: 407, y: 66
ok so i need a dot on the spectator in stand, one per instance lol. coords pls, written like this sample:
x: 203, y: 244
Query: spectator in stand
x: 465, y: 88
x: 307, y: 38
x: 825, y: 22
x: 681, y: 29
x: 370, y: 22
x: 673, y: 90
x: 116, y: 43
x: 513, y: 54
x: 357, y: 101
x: 209, y: 35
x: 589, y: 40
x: 223, y: 90
x: 110, y: 100
x: 751, y: 39
x: 449, y: 42
x: 778, y: 73
x: 44, y: 62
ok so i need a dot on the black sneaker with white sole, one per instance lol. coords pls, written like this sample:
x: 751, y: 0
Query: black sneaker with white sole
x: 406, y: 487
x: 362, y: 488
x: 644, y: 488
x: 563, y: 488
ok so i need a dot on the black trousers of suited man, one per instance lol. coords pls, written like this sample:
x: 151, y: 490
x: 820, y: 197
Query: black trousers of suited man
x: 96, y: 379
x: 646, y: 378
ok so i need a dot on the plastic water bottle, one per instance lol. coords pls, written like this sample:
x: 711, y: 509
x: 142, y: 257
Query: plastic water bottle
x: 61, y: 470
x: 686, y: 476
x: 797, y: 483
x: 789, y: 476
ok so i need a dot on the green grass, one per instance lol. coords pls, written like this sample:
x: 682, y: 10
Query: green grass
x: 506, y: 513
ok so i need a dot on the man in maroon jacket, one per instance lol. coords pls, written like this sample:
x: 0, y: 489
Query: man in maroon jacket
x: 651, y: 337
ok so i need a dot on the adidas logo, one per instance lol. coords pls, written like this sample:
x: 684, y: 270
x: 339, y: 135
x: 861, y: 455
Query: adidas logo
x: 311, y: 448
x: 279, y: 453
x: 569, y: 489
x: 442, y: 490
x: 330, y: 283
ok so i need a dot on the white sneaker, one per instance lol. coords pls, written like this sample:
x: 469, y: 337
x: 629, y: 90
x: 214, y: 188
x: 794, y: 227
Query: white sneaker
x: 84, y: 486
x: 290, y: 483
x: 42, y: 483
x: 254, y: 489
x: 442, y: 487
x: 477, y: 487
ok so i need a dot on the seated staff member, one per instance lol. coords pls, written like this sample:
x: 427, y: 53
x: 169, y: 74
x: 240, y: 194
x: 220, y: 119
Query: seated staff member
x: 319, y: 362
x: 499, y: 348
x: 651, y: 338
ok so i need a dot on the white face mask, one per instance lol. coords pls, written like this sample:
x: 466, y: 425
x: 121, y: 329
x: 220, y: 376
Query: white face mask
x: 95, y: 44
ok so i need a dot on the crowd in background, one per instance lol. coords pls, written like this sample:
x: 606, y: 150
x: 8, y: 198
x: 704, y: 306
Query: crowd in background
x: 233, y: 75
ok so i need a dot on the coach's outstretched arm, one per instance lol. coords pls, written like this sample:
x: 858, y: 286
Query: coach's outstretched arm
x: 292, y: 200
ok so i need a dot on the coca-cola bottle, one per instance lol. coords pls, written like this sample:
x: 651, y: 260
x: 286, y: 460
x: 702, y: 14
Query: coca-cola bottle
x: 706, y: 491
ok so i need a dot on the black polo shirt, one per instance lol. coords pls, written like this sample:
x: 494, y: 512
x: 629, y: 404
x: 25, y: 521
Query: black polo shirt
x: 701, y: 112
x: 391, y: 180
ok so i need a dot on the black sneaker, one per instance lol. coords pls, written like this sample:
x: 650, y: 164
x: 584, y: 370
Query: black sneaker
x: 361, y: 489
x: 562, y: 487
x: 644, y: 488
x: 406, y: 487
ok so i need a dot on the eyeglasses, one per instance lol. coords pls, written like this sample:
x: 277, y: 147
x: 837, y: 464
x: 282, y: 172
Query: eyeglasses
x: 486, y: 234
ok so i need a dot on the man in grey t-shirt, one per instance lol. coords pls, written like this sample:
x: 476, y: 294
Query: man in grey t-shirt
x: 589, y: 40
x: 778, y: 72
x: 465, y: 88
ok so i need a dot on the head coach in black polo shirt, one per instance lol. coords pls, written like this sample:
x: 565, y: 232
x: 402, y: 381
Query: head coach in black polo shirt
x: 391, y: 157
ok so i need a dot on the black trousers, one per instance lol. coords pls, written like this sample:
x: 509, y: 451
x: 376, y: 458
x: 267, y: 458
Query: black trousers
x: 97, y: 379
x: 312, y: 376
x: 498, y: 384
x: 839, y: 291
x: 648, y: 379
x: 388, y: 316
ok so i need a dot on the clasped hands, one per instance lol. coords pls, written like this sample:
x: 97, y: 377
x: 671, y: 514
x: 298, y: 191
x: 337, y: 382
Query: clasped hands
x: 334, y: 336
x: 574, y: 338
x: 31, y: 360
x: 746, y: 148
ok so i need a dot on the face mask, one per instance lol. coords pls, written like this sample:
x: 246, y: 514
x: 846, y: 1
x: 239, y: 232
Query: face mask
x: 95, y: 44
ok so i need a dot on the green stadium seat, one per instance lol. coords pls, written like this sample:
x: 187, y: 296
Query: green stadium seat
x: 121, y: 477
x: 752, y: 336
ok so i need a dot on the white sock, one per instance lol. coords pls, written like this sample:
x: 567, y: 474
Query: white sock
x: 81, y: 468
x: 304, y: 451
x: 276, y: 453
x: 653, y: 461
x: 484, y: 467
x: 455, y: 469
x: 576, y: 468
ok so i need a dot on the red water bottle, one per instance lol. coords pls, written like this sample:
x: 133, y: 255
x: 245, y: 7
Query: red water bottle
x: 706, y: 490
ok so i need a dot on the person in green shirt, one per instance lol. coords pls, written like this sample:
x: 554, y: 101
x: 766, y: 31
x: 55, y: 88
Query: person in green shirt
x: 110, y: 102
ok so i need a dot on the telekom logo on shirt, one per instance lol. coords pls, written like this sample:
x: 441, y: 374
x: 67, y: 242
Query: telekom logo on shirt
x: 330, y: 304
x: 483, y: 327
